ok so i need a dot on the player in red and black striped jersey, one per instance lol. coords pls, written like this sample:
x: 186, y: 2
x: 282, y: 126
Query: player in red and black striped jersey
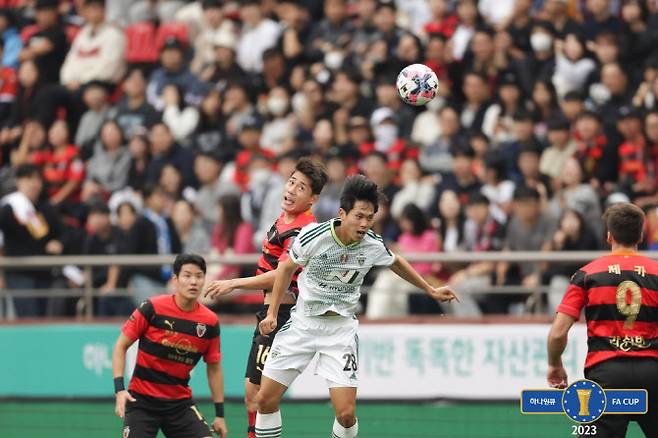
x: 300, y: 193
x: 619, y: 294
x: 174, y: 333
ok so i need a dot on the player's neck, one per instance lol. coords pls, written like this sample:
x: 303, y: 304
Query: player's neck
x: 342, y: 235
x: 289, y: 217
x: 185, y: 304
x: 617, y: 248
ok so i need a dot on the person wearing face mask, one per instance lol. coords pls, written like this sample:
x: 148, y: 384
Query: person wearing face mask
x: 279, y: 129
x: 541, y: 62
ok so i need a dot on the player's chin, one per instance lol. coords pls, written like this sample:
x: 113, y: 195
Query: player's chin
x: 193, y: 293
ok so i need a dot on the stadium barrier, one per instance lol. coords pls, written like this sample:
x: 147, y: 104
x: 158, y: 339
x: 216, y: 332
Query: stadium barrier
x: 86, y: 263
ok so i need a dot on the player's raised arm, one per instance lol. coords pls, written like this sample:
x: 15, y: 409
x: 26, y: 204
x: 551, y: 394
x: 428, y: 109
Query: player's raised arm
x: 403, y: 269
x: 118, y: 366
x: 257, y: 282
x: 283, y: 278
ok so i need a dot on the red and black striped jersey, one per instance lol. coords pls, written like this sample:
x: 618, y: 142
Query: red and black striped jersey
x: 171, y: 342
x: 619, y: 293
x: 277, y: 241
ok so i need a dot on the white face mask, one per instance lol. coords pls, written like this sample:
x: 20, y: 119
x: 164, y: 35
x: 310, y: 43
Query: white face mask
x: 333, y: 59
x: 541, y: 42
x: 277, y: 106
x: 385, y: 136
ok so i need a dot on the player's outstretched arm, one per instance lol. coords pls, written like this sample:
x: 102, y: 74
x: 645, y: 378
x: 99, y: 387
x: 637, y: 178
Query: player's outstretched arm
x: 284, y: 273
x: 557, y: 342
x: 118, y: 365
x: 403, y: 269
x: 224, y: 287
x: 216, y: 384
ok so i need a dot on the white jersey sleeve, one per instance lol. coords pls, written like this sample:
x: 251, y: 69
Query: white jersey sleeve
x: 381, y: 255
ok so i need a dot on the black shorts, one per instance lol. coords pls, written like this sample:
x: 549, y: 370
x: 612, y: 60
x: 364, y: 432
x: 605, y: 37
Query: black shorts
x: 176, y: 418
x: 260, y: 345
x: 629, y: 373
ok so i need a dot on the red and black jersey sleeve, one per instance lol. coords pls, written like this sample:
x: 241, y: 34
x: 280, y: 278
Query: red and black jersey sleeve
x: 138, y: 322
x: 575, y: 298
x: 213, y: 352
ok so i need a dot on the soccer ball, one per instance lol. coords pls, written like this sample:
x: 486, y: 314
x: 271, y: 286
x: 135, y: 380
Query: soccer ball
x: 417, y: 84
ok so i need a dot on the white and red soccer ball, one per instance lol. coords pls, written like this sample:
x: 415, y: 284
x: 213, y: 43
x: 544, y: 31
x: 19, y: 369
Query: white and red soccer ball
x: 417, y: 84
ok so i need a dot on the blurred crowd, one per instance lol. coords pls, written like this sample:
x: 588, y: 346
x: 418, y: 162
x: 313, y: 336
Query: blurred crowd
x: 160, y: 126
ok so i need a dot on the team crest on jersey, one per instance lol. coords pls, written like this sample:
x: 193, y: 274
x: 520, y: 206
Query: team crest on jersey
x: 343, y: 258
x: 200, y: 330
x: 361, y: 258
x: 126, y: 431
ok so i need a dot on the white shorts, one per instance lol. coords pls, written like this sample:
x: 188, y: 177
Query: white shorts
x: 335, y: 340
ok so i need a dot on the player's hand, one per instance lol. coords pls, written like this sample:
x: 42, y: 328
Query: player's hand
x: 267, y: 325
x: 443, y: 294
x: 219, y: 427
x: 219, y: 288
x: 121, y: 398
x: 557, y: 377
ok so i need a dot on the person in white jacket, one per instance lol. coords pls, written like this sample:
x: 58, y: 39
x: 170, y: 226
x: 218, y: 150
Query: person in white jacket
x: 97, y: 53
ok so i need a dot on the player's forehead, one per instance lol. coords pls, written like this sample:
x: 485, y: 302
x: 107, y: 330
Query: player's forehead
x: 300, y: 178
x: 364, y: 208
x: 190, y: 269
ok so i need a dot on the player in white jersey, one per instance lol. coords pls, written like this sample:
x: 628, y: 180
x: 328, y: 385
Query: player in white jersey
x: 336, y: 256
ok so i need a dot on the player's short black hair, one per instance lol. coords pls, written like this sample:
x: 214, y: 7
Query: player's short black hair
x: 188, y: 259
x: 314, y: 171
x: 360, y: 188
x: 625, y: 221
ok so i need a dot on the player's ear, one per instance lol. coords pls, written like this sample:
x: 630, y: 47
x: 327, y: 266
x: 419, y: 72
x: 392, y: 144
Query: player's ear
x: 609, y: 238
x: 342, y: 213
x: 314, y: 199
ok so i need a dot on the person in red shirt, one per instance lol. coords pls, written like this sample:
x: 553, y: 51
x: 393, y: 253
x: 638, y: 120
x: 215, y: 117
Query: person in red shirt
x: 619, y: 295
x: 62, y: 169
x: 174, y: 333
x: 300, y: 192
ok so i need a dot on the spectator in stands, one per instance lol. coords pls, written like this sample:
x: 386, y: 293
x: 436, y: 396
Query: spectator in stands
x: 573, y: 234
x: 497, y: 188
x: 482, y: 232
x: 279, y: 128
x: 22, y: 108
x: 529, y: 229
x: 212, y: 27
x: 599, y: 19
x: 258, y: 34
x: 561, y: 148
x: 96, y: 98
x: 231, y: 235
x: 450, y: 221
x: 162, y: 10
x: 11, y: 40
x: 476, y: 92
x: 634, y: 178
x: 133, y: 111
x: 415, y: 188
x: 194, y: 233
x: 102, y: 239
x: 30, y: 227
x: 152, y: 233
x: 236, y: 107
x: 97, y: 53
x: 209, y: 133
x: 388, y: 298
x: 498, y: 123
x: 436, y: 157
x: 171, y: 182
x: 332, y: 35
x: 62, y: 169
x: 174, y: 71
x: 572, y: 68
x: 557, y: 13
x: 597, y: 155
x: 572, y: 105
x: 295, y: 30
x: 528, y: 163
x: 613, y: 92
x: 164, y: 150
x: 182, y: 119
x: 48, y: 46
x: 329, y: 201
x: 224, y: 69
x: 375, y: 166
x: 209, y: 169
x: 110, y: 164
x: 139, y: 160
x: 462, y: 180
x: 8, y: 87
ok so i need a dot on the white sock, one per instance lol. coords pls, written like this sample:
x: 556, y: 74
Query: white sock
x: 345, y: 432
x: 268, y: 425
